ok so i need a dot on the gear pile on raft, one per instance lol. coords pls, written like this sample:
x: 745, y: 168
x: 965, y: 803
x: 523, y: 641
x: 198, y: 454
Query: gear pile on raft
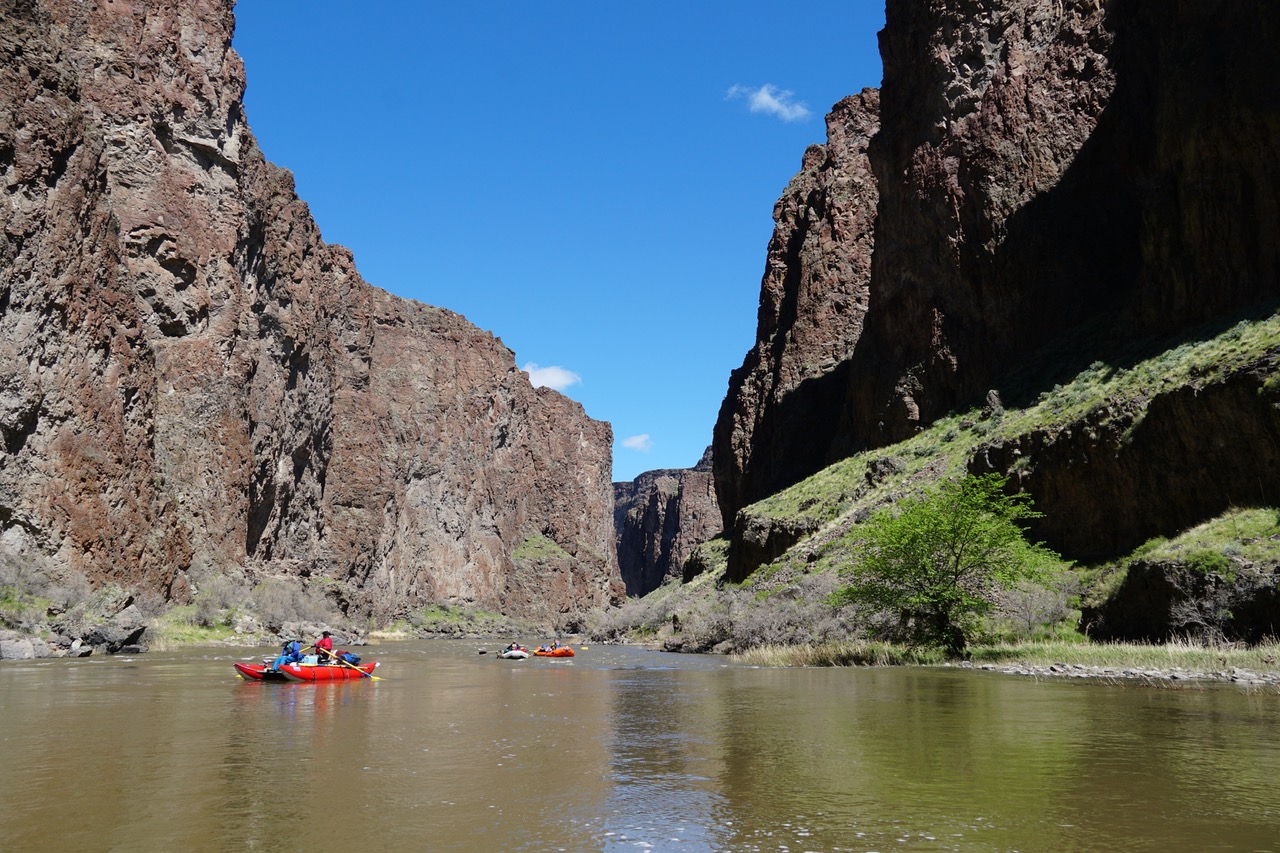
x: 293, y: 664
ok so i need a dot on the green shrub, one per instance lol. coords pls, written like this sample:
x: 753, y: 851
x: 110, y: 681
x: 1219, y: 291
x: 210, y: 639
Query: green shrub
x: 21, y: 612
x: 282, y: 599
x: 444, y: 618
x: 1208, y: 562
x: 938, y: 563
x: 216, y: 600
x: 1151, y: 545
x: 538, y: 548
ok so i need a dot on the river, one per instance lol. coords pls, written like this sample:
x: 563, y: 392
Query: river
x: 622, y: 748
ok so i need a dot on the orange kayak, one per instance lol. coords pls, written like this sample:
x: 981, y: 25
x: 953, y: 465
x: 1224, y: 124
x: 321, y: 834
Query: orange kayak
x: 562, y: 652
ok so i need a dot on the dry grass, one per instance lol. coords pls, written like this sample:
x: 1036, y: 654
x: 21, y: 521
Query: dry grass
x: 1178, y: 654
x: 1174, y: 655
x: 179, y: 627
x: 839, y: 653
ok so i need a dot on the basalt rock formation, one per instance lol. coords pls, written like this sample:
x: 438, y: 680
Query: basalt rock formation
x: 193, y: 384
x: 1162, y: 601
x: 1056, y: 181
x: 659, y: 518
x: 1055, y: 184
x: 780, y: 417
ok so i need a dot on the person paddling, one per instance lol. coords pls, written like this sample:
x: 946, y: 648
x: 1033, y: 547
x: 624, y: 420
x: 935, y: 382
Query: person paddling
x: 324, y: 647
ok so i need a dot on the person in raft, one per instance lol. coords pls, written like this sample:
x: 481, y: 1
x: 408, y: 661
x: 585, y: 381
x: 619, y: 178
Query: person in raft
x: 324, y: 647
x: 290, y: 652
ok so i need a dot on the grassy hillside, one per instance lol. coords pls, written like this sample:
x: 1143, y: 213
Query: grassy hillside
x: 823, y: 513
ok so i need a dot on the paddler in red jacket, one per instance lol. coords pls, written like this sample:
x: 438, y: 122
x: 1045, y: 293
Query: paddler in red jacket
x: 324, y: 647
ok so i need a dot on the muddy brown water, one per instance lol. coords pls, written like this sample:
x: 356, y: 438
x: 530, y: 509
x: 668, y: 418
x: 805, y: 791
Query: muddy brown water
x: 622, y: 749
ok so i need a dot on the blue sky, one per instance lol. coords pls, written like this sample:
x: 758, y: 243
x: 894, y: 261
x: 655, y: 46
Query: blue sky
x: 593, y: 182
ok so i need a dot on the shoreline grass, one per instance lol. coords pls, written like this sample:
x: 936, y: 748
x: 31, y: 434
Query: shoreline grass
x: 1180, y: 655
x: 167, y: 634
x: 840, y: 653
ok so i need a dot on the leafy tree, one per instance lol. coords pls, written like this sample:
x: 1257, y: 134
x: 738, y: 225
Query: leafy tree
x: 939, y: 561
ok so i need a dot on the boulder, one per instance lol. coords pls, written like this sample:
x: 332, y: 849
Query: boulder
x: 124, y: 629
x: 17, y: 650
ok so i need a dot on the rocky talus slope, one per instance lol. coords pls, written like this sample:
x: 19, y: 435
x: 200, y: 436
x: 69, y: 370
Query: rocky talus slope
x: 193, y: 384
x: 1051, y: 189
x: 659, y: 518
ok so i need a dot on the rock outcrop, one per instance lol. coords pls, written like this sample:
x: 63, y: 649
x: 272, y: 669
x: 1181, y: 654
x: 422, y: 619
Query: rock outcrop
x: 193, y: 384
x: 812, y: 302
x: 106, y: 622
x: 1058, y: 180
x: 659, y: 518
x: 1056, y: 184
x: 1158, y: 602
x: 1130, y: 471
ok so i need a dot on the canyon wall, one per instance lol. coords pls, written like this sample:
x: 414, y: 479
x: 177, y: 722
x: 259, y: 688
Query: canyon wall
x: 193, y: 384
x: 780, y: 417
x: 1055, y: 184
x: 659, y: 518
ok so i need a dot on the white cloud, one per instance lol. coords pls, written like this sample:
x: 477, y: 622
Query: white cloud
x: 640, y: 442
x: 556, y: 378
x: 771, y: 100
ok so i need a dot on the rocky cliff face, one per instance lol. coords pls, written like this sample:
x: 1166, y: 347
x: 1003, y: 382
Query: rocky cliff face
x: 1054, y: 184
x: 1057, y: 180
x: 659, y: 518
x: 193, y: 383
x: 1161, y: 601
x: 812, y: 302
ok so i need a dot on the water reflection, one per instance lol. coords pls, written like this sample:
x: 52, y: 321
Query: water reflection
x: 664, y: 764
x: 273, y: 734
x: 622, y: 749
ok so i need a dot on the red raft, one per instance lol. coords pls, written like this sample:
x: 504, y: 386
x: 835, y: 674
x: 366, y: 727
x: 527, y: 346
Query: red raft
x: 257, y: 672
x: 306, y: 672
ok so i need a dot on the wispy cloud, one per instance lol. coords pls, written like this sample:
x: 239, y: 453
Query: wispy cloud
x: 556, y: 378
x: 640, y: 442
x: 770, y: 100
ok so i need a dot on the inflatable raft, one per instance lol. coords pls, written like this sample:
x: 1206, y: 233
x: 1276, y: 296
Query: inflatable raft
x: 327, y: 671
x: 258, y: 672
x: 305, y: 672
x: 558, y: 652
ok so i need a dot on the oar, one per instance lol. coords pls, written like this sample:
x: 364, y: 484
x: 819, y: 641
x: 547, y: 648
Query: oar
x: 351, y: 665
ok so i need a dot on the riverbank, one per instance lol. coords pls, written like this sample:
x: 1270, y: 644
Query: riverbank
x: 1170, y: 663
x: 1164, y: 677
